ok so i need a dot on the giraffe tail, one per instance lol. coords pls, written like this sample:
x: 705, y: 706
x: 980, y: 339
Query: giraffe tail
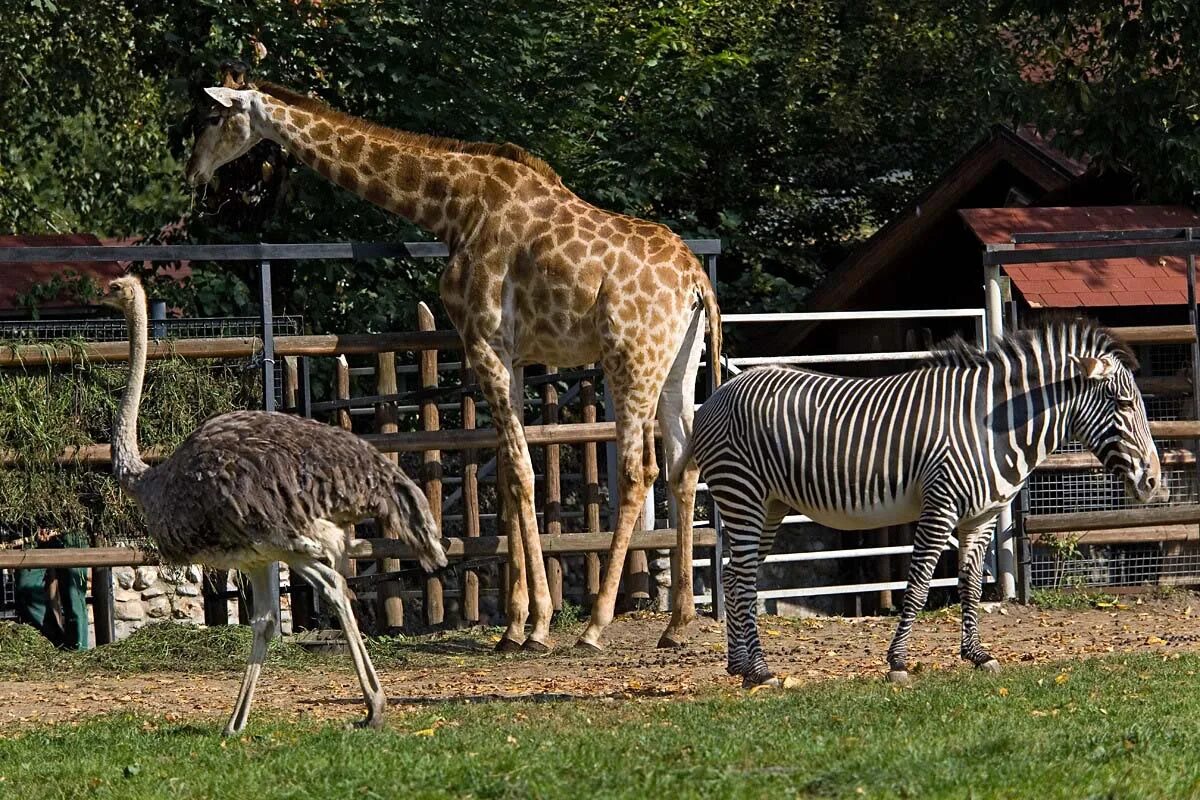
x: 711, y: 310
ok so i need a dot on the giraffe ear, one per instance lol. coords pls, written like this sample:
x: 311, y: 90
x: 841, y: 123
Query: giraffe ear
x: 230, y: 98
x: 1095, y: 369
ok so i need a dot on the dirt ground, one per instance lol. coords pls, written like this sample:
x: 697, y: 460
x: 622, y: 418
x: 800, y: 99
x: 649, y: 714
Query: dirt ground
x: 461, y: 667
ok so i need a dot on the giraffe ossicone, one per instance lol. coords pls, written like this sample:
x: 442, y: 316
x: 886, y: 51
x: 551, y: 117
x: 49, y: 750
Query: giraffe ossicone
x: 536, y: 275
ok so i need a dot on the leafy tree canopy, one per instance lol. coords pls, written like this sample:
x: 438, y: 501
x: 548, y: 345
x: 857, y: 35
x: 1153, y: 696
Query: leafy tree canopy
x: 789, y: 129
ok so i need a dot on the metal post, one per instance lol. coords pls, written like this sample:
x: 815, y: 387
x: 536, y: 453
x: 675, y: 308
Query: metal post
x: 1194, y: 319
x: 268, y: 355
x: 1006, y: 556
x: 718, y: 568
x: 304, y: 396
x: 158, y: 315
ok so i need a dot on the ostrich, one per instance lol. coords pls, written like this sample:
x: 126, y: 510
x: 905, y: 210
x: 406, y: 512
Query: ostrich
x: 250, y: 488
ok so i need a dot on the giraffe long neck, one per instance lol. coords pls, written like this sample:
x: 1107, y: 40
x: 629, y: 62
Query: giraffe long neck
x: 127, y: 462
x: 410, y: 181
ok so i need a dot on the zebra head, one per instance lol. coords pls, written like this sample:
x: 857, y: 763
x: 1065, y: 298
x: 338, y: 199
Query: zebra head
x: 1110, y: 420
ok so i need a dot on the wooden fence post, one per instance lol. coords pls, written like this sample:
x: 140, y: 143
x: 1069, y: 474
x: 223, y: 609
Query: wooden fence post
x: 291, y: 383
x: 390, y: 605
x: 470, y: 496
x: 553, y: 483
x: 432, y: 459
x: 591, y: 488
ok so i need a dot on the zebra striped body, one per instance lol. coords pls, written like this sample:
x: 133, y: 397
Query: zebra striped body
x: 948, y: 445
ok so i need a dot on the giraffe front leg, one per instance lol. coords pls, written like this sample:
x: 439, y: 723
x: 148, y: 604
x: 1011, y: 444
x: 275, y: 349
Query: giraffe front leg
x: 504, y: 388
x: 973, y: 544
x: 932, y: 534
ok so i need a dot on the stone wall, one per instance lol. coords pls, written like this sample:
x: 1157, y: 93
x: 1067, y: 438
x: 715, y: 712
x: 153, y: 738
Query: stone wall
x: 143, y: 595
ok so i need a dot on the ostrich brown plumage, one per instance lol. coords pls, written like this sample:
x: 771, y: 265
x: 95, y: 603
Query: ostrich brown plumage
x: 250, y: 488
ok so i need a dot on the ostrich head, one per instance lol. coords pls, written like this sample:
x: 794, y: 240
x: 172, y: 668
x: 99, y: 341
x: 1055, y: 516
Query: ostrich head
x: 124, y: 293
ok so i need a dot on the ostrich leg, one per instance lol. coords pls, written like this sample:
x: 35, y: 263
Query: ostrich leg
x: 263, y: 625
x: 333, y: 586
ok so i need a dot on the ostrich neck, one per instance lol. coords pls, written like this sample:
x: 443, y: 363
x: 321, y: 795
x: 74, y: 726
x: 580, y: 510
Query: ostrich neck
x: 127, y: 461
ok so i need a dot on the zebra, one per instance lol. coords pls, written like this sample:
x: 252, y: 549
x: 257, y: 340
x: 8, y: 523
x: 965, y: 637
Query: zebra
x: 947, y: 444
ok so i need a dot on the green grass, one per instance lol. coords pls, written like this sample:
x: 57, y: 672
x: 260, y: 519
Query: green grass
x: 1072, y: 599
x: 1117, y: 727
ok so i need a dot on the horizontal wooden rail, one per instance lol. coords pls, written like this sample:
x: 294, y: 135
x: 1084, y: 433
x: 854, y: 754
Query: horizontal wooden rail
x: 1175, y: 429
x: 234, y: 347
x: 1165, y: 385
x: 1158, y: 533
x: 1064, y: 461
x: 563, y: 543
x: 1156, y: 334
x: 362, y: 549
x: 535, y: 436
x: 1117, y: 518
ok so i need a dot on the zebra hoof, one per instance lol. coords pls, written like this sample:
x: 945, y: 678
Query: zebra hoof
x: 991, y: 666
x: 667, y: 643
x: 899, y: 677
x: 770, y: 682
x: 590, y: 647
x: 534, y: 646
x: 506, y: 645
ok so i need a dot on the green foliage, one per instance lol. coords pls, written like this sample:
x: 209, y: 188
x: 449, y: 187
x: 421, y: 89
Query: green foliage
x: 46, y: 410
x: 1118, y: 83
x: 1113, y: 727
x: 789, y: 129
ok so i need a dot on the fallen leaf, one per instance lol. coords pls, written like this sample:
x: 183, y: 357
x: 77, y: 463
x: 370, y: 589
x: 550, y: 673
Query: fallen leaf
x: 1155, y: 640
x: 1062, y: 678
x: 1002, y: 691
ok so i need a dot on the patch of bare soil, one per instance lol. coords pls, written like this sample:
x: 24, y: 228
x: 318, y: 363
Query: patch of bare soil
x: 461, y: 667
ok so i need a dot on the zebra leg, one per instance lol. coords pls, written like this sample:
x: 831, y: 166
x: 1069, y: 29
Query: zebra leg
x: 973, y: 544
x: 744, y: 523
x: 933, y: 532
x: 756, y: 671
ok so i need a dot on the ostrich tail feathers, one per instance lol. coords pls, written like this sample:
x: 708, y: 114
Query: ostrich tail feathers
x: 410, y: 518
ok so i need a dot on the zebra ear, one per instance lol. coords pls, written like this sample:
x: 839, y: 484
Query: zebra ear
x: 1094, y: 369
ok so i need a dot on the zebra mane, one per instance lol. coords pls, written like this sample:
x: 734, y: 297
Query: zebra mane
x: 1084, y: 337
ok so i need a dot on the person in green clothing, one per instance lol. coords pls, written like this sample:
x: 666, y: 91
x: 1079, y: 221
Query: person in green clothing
x: 55, y: 600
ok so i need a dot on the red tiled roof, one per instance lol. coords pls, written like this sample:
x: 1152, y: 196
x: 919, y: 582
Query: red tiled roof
x: 1087, y: 284
x: 18, y: 279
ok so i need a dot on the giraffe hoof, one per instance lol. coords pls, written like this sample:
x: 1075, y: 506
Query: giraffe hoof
x: 667, y: 643
x: 591, y: 647
x: 534, y: 646
x: 770, y: 682
x: 506, y: 645
x: 991, y: 666
x: 899, y: 677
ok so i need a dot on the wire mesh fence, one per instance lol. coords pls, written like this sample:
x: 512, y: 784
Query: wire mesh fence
x: 1114, y: 566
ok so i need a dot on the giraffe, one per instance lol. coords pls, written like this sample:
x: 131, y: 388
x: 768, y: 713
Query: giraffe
x: 535, y: 275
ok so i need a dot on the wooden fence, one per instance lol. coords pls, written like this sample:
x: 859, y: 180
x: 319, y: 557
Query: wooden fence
x: 432, y: 439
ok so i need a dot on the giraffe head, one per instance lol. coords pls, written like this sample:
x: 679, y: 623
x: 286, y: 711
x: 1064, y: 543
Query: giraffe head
x: 226, y: 133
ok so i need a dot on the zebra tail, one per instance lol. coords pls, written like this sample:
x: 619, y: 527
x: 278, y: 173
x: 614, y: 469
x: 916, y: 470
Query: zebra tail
x: 713, y: 312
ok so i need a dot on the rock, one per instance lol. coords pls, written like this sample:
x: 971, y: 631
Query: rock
x: 144, y: 577
x: 194, y: 574
x: 156, y: 590
x: 122, y: 630
x: 131, y: 611
x: 189, y: 609
x: 126, y: 595
x: 123, y: 576
x: 159, y: 607
x: 187, y: 590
